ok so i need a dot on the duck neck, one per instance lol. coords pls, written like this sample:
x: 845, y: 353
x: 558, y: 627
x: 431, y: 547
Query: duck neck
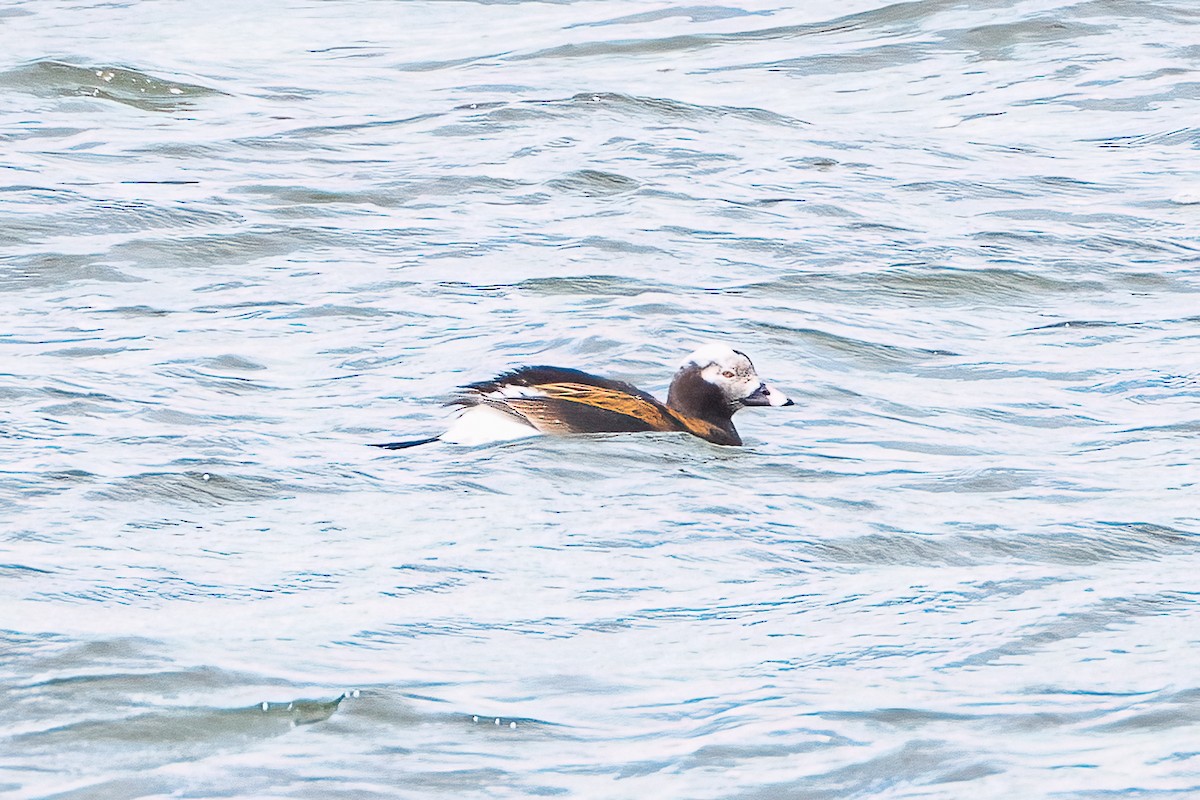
x: 692, y: 396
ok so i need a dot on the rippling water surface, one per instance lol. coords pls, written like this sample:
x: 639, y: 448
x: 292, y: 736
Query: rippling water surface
x: 240, y: 240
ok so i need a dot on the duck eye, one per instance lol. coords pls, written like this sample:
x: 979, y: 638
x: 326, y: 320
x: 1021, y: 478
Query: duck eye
x: 727, y: 374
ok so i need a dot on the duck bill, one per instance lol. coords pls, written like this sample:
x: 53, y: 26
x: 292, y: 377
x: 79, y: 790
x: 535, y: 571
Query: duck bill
x: 766, y: 396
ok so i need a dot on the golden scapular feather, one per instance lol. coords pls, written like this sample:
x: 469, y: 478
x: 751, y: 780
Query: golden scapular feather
x: 657, y: 416
x: 612, y: 400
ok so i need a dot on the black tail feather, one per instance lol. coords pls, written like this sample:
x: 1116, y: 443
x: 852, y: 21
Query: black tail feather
x: 403, y: 445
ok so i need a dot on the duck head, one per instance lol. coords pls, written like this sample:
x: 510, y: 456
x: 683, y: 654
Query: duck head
x: 716, y: 381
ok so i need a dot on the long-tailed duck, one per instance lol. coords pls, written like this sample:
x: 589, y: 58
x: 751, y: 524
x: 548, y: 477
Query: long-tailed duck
x: 710, y: 385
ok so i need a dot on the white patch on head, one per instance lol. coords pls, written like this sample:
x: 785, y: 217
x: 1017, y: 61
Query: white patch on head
x: 725, y: 367
x: 711, y: 353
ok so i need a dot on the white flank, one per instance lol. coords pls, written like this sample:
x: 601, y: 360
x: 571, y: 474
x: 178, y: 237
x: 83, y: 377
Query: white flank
x: 484, y: 425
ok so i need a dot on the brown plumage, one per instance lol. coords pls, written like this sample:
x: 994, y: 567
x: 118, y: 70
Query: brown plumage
x: 573, y: 407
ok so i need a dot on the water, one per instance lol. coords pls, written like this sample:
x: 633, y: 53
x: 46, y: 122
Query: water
x: 237, y: 242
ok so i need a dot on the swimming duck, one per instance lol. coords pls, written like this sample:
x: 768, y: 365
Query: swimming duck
x: 710, y: 385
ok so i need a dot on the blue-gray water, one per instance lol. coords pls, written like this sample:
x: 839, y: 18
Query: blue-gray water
x: 239, y: 240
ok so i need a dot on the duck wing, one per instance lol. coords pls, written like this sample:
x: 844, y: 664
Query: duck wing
x: 577, y: 408
x: 535, y: 377
x: 559, y: 400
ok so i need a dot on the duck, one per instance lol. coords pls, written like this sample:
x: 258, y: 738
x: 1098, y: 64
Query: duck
x: 709, y: 387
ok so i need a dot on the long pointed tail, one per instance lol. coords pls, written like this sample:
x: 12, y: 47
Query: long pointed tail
x: 403, y: 445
